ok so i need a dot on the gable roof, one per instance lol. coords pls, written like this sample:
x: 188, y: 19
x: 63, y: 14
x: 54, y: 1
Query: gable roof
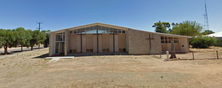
x: 120, y: 27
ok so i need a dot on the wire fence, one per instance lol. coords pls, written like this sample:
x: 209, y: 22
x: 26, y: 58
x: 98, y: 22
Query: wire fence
x: 197, y: 55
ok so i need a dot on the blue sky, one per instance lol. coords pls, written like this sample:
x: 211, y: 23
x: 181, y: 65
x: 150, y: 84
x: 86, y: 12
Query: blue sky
x: 138, y: 14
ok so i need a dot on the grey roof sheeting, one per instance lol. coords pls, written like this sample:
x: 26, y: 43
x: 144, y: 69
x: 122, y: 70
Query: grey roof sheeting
x: 97, y: 23
x: 218, y: 34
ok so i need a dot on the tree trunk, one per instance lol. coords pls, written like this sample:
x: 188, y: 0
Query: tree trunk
x: 31, y: 47
x: 39, y: 46
x: 21, y: 48
x: 5, y: 47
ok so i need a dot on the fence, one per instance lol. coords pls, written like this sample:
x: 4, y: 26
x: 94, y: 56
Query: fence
x: 197, y: 55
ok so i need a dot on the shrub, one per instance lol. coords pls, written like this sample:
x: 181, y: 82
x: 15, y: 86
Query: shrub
x: 202, y: 42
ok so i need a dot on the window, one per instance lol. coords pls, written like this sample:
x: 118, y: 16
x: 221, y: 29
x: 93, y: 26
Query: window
x: 107, y: 30
x: 176, y: 40
x: 87, y: 30
x: 83, y: 31
x: 60, y: 36
x: 170, y: 39
x: 162, y: 39
x: 111, y: 30
x: 87, y: 50
x: 103, y: 30
x: 120, y: 50
x: 115, y: 31
x: 57, y: 47
x: 105, y: 50
x: 91, y: 50
x: 74, y: 32
x: 93, y: 30
x: 165, y: 39
x: 124, y: 50
x: 118, y: 31
x: 63, y: 38
x: 73, y: 51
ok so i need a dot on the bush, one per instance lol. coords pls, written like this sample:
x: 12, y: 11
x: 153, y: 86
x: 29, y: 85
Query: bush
x: 202, y: 42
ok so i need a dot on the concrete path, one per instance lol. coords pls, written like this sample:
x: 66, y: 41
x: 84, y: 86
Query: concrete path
x: 55, y: 59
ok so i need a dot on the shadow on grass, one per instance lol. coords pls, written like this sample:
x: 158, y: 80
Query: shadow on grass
x: 10, y: 52
x: 41, y: 56
x: 96, y: 54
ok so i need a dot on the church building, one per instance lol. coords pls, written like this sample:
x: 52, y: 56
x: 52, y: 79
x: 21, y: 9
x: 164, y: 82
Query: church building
x: 100, y: 38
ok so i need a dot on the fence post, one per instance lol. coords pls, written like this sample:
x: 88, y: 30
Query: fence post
x: 193, y: 55
x: 160, y: 54
x: 167, y: 53
x: 217, y: 54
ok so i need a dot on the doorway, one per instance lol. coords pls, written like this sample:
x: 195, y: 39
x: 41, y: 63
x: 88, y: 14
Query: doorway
x: 59, y: 48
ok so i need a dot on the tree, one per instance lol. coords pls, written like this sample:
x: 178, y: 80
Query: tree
x: 188, y: 28
x: 206, y: 32
x: 23, y: 37
x: 42, y: 37
x: 202, y: 42
x: 7, y: 37
x: 2, y: 33
x: 37, y: 37
x: 46, y: 42
x: 161, y: 26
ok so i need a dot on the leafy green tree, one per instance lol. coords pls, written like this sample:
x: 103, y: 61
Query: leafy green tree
x: 206, y: 32
x: 42, y: 37
x: 46, y: 42
x: 161, y: 26
x: 188, y: 28
x: 2, y: 33
x: 23, y: 37
x: 202, y: 42
x: 37, y: 38
x: 7, y: 37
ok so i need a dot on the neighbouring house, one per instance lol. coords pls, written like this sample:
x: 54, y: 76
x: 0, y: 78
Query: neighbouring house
x: 105, y: 38
x: 217, y: 35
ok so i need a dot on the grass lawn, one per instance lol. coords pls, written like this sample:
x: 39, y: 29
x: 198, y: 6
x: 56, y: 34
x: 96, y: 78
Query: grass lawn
x: 122, y: 71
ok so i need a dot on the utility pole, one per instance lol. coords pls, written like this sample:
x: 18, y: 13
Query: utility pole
x: 39, y: 30
x: 206, y: 23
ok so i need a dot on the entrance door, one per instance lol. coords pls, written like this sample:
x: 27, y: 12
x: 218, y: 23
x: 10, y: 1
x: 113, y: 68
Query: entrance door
x: 59, y: 48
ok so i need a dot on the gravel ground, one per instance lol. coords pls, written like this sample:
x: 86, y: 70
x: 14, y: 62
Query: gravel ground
x: 122, y: 71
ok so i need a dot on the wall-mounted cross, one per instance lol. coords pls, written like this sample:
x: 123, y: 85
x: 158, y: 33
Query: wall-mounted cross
x: 150, y: 40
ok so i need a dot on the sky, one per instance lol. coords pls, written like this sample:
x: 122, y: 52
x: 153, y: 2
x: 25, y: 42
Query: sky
x: 137, y: 14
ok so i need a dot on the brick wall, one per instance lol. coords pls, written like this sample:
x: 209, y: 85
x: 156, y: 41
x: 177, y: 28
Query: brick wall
x: 139, y: 45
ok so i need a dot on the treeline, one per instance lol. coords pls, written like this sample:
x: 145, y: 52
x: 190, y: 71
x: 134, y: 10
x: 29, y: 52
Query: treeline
x: 188, y: 28
x: 25, y: 38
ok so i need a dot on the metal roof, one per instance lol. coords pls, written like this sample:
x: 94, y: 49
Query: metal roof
x: 97, y: 23
x: 217, y: 34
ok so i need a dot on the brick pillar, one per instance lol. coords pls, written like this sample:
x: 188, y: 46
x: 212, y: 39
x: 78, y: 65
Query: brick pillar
x: 66, y: 42
x: 51, y: 44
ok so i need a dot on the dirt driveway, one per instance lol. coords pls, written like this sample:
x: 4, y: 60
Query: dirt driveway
x: 124, y: 71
